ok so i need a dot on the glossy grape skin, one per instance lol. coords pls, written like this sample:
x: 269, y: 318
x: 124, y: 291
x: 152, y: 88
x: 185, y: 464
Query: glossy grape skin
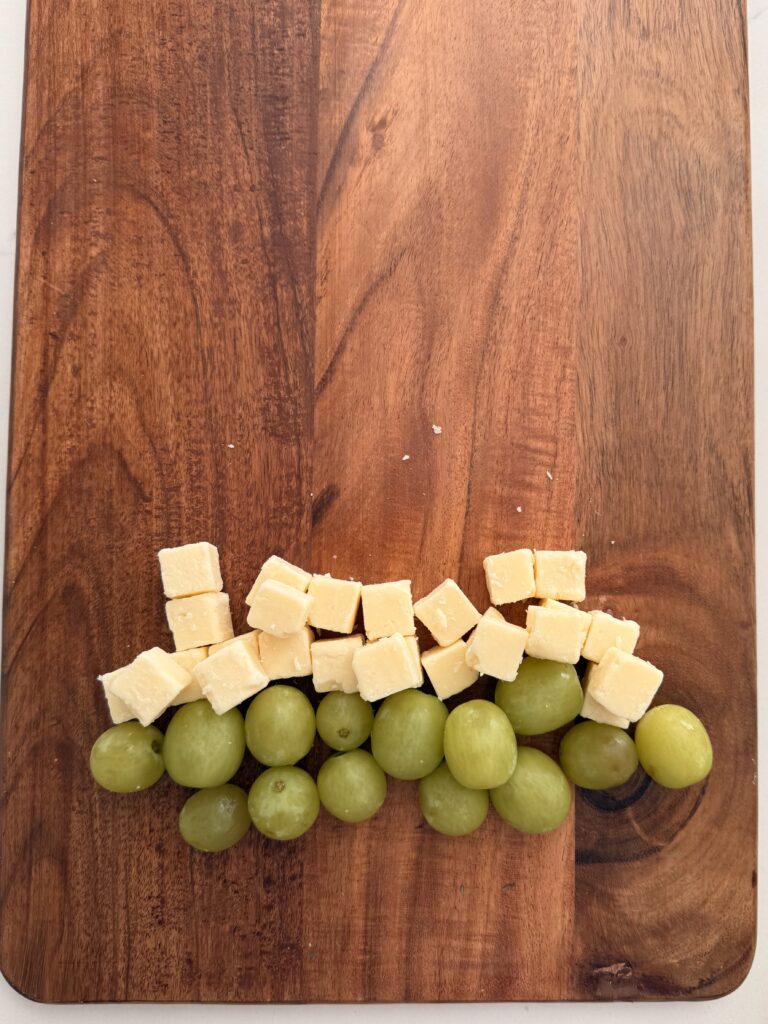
x: 128, y: 757
x: 351, y: 785
x: 407, y: 734
x: 538, y: 796
x: 203, y: 749
x: 450, y: 808
x: 280, y: 726
x: 283, y: 803
x: 596, y: 756
x: 344, y: 720
x: 480, y: 745
x: 673, y: 746
x: 544, y: 696
x: 215, y: 819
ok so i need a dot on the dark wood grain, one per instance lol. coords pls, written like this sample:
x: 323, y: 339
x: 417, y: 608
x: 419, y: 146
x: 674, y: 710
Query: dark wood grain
x: 313, y: 230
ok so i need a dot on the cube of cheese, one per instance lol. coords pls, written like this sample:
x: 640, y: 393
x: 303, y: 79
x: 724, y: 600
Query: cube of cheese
x: 217, y: 647
x: 509, y: 576
x: 623, y: 684
x: 286, y: 657
x: 597, y: 713
x: 118, y: 711
x: 561, y: 574
x: 232, y: 674
x: 276, y: 568
x: 385, y: 666
x: 279, y: 609
x: 190, y: 569
x: 149, y: 684
x: 335, y: 603
x: 448, y: 669
x: 496, y: 648
x: 188, y: 660
x: 447, y: 613
x: 556, y: 633
x: 606, y: 631
x: 332, y: 664
x: 584, y: 617
x: 388, y: 609
x: 200, y: 620
x: 412, y: 642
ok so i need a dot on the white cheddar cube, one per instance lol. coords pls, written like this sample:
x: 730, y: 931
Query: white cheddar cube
x: 232, y: 674
x: 412, y: 642
x: 623, y: 684
x: 385, y: 666
x: 190, y: 569
x: 332, y: 664
x: 606, y: 631
x: 597, y: 713
x: 556, y: 633
x: 188, y: 660
x: 279, y: 609
x: 276, y: 568
x: 149, y: 684
x: 448, y: 669
x: 217, y: 647
x: 118, y: 711
x: 509, y: 576
x: 388, y: 609
x: 200, y: 620
x: 561, y: 574
x: 496, y: 648
x: 447, y: 613
x: 286, y: 657
x: 335, y: 603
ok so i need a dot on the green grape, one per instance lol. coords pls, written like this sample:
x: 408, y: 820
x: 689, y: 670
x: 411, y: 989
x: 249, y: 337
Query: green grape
x: 407, y: 734
x: 596, y: 756
x: 480, y: 745
x: 283, y: 802
x: 215, y: 819
x: 673, y: 746
x: 128, y: 757
x: 538, y: 796
x: 280, y: 726
x: 448, y: 806
x: 544, y: 696
x: 344, y: 720
x: 203, y: 749
x: 351, y: 785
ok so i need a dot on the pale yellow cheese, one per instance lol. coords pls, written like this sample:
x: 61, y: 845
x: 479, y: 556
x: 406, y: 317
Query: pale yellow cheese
x: 561, y: 574
x: 276, y: 568
x: 279, y: 609
x: 623, y: 683
x: 286, y: 657
x: 118, y: 711
x: 412, y: 642
x: 200, y: 620
x: 509, y: 576
x: 385, y: 666
x: 597, y: 713
x: 190, y: 569
x: 388, y: 609
x: 556, y: 633
x: 149, y: 684
x: 448, y: 669
x: 335, y: 603
x: 606, y: 631
x: 188, y: 660
x: 496, y: 648
x: 232, y: 674
x: 447, y: 613
x: 332, y: 664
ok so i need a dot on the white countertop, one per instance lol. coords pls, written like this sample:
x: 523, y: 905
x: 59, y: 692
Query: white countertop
x: 749, y: 1004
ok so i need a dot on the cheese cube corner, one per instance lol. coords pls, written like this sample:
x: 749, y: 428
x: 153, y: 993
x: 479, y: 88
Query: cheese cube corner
x: 561, y: 574
x: 188, y: 660
x: 190, y: 569
x: 597, y: 713
x: 332, y: 664
x: 496, y: 648
x: 199, y: 621
x: 276, y: 568
x: 286, y: 657
x: 606, y: 631
x: 509, y: 576
x: 447, y: 613
x: 388, y: 609
x: 335, y: 603
x: 556, y: 632
x: 384, y: 667
x: 623, y: 683
x: 149, y: 684
x: 279, y: 609
x: 448, y: 669
x: 232, y: 674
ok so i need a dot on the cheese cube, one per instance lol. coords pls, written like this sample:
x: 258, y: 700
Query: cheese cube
x: 584, y: 617
x: 509, y: 576
x: 286, y: 657
x: 388, y: 609
x: 561, y: 574
x: 335, y: 603
x: 556, y: 633
x: 149, y: 684
x: 217, y: 647
x: 232, y: 674
x: 190, y: 569
x: 597, y: 713
x: 188, y: 660
x: 412, y: 642
x: 332, y: 664
x: 200, y: 620
x: 496, y: 648
x: 279, y: 609
x: 606, y: 631
x: 447, y: 613
x: 276, y: 568
x: 385, y: 666
x: 494, y: 614
x: 623, y: 684
x: 118, y: 711
x: 448, y: 669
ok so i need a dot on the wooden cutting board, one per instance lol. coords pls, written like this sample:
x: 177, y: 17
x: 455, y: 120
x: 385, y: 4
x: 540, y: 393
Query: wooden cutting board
x: 263, y: 248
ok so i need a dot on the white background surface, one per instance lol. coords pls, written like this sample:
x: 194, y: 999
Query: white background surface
x: 749, y: 1004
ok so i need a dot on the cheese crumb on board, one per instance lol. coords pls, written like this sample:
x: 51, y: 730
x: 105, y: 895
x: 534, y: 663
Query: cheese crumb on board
x: 597, y: 713
x: 286, y: 657
x: 560, y: 574
x: 606, y: 631
x: 556, y: 632
x: 190, y: 569
x: 232, y: 674
x: 149, y: 684
x: 279, y: 609
x: 332, y: 664
x: 436, y: 429
x: 448, y: 669
x: 509, y: 576
x: 118, y: 711
x: 388, y: 609
x: 447, y: 613
x: 496, y: 648
x: 384, y: 667
x: 623, y: 683
x: 276, y: 568
x: 200, y: 620
x: 335, y: 603
x: 188, y: 660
